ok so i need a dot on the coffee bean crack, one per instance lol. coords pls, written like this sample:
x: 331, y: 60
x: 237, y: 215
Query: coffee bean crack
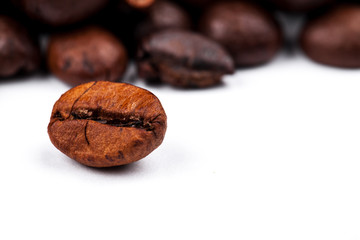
x: 103, y: 117
x: 108, y: 119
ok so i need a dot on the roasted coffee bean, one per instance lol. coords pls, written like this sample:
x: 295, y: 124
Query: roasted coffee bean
x: 105, y: 124
x: 333, y: 38
x: 19, y: 52
x: 300, y: 5
x: 163, y: 15
x: 183, y: 59
x: 250, y: 34
x: 60, y: 12
x: 140, y: 3
x: 85, y: 55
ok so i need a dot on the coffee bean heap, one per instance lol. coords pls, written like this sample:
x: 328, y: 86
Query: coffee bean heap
x: 183, y: 43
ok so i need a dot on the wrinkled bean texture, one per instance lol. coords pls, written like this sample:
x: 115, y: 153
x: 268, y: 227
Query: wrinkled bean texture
x: 19, y: 52
x: 183, y: 59
x: 105, y: 124
x: 85, y: 55
x: 60, y: 12
x: 333, y: 38
x: 248, y: 32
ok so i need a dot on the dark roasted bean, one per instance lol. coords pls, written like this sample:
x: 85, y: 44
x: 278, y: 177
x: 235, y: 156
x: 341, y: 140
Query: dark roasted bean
x: 250, y: 34
x: 183, y: 59
x: 60, y: 12
x: 163, y: 15
x: 85, y: 55
x: 19, y: 52
x: 334, y: 37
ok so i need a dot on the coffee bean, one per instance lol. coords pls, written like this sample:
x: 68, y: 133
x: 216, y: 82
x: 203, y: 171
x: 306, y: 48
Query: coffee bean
x: 85, y: 55
x: 140, y: 3
x: 183, y: 59
x: 163, y: 15
x: 18, y: 50
x: 250, y: 34
x: 60, y: 12
x: 300, y: 5
x: 333, y: 38
x: 105, y: 124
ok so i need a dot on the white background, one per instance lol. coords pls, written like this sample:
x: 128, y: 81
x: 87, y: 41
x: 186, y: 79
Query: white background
x: 274, y: 153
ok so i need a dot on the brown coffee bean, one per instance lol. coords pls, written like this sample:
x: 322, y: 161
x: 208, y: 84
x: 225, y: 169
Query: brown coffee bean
x: 183, y: 59
x: 85, y: 55
x: 251, y: 35
x: 60, y: 12
x: 140, y: 3
x: 163, y: 15
x: 105, y: 124
x: 18, y: 51
x: 333, y: 38
x: 300, y: 5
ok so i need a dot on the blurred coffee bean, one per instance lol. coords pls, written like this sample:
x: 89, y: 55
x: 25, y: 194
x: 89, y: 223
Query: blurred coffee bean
x: 19, y: 52
x: 300, y: 5
x: 163, y: 15
x: 333, y: 38
x: 183, y: 59
x: 140, y: 3
x: 60, y: 12
x: 85, y: 55
x: 251, y: 35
